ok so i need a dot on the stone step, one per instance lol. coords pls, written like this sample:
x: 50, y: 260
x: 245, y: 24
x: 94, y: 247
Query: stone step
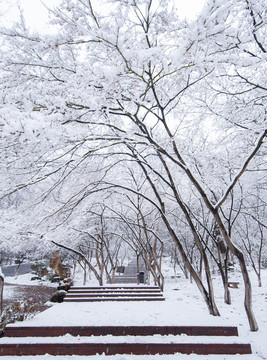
x: 125, y: 280
x: 94, y: 299
x: 121, y: 291
x: 114, y: 287
x: 122, y: 348
x: 113, y: 295
x: 45, y: 331
x: 130, y: 274
x: 132, y: 271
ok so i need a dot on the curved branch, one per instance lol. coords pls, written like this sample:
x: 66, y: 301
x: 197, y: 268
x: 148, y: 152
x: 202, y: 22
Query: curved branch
x: 242, y: 170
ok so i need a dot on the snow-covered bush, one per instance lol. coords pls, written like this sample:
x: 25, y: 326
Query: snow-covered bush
x: 19, y: 311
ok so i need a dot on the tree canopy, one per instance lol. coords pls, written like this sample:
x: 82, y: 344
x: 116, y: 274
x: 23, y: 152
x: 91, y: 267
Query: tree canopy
x: 158, y: 119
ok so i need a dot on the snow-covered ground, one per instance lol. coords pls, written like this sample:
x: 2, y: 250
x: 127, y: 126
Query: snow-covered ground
x: 183, y: 306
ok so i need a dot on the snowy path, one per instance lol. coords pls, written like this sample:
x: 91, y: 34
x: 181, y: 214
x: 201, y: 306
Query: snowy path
x: 173, y: 311
x: 183, y: 306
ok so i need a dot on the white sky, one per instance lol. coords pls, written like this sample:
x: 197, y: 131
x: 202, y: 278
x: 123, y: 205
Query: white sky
x: 36, y: 15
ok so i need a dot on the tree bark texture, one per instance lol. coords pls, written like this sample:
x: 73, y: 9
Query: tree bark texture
x: 1, y: 293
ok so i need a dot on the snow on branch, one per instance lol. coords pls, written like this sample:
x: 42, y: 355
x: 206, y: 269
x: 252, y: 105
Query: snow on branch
x: 242, y: 170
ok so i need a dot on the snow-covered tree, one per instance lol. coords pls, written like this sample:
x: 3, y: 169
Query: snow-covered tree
x: 129, y: 82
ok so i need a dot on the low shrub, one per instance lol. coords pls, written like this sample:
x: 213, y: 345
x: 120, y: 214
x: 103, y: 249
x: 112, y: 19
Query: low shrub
x: 19, y: 311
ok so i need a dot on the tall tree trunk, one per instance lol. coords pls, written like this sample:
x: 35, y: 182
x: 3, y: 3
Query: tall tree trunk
x: 1, y: 293
x: 197, y: 239
x: 211, y: 305
x: 248, y: 289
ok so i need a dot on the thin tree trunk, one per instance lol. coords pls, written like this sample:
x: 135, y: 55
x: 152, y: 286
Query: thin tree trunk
x: 259, y: 257
x: 138, y: 267
x: 84, y: 274
x: 227, y: 295
x: 1, y: 293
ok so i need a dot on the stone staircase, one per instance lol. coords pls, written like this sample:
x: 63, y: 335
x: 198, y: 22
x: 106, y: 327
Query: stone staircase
x: 113, y: 340
x: 129, y: 276
x: 119, y: 340
x: 114, y: 293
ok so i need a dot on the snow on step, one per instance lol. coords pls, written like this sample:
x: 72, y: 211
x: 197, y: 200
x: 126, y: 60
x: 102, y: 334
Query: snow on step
x: 88, y: 299
x: 118, y: 288
x: 114, y: 292
x: 130, y: 273
x: 86, y: 340
x: 96, y: 294
x: 34, y: 331
x: 122, y: 348
x: 111, y: 290
x: 135, y: 357
x: 110, y: 339
x: 86, y: 294
x: 115, y: 287
x: 124, y: 280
